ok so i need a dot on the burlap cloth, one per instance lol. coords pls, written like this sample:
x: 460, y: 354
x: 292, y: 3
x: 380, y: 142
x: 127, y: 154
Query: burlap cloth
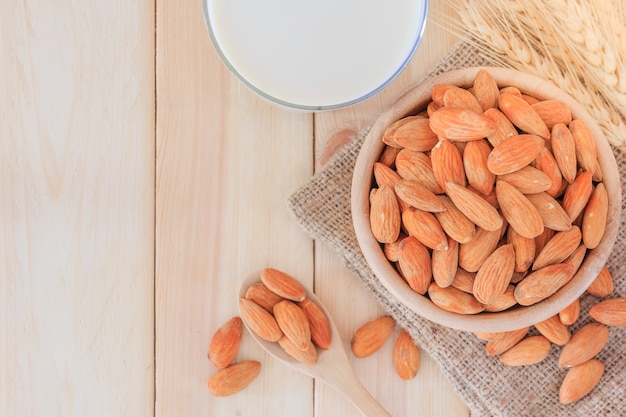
x: 322, y: 207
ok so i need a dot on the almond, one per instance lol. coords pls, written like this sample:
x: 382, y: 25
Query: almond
x: 570, y: 314
x: 504, y: 302
x: 586, y: 151
x: 234, y: 378
x: 611, y: 312
x: 503, y: 341
x: 585, y: 343
x: 485, y: 90
x: 577, y: 257
x: 425, y: 228
x: 504, y: 127
x: 438, y: 92
x: 564, y: 150
x: 388, y: 156
x: 528, y: 180
x: 463, y: 280
x: 262, y: 323
x: 283, y: 284
x: 263, y: 296
x: 454, y: 223
x: 308, y: 355
x: 388, y: 134
x: 554, y: 330
x: 473, y: 253
x: 454, y: 300
x: 460, y: 124
x: 518, y: 210
x: 547, y: 164
x: 417, y: 166
x: 577, y: 195
x: 417, y: 195
x: 512, y: 90
x: 415, y: 264
x: 415, y: 135
x: 528, y: 351
x: 514, y: 153
x: 522, y: 115
x: 602, y: 285
x: 475, y: 163
x: 543, y: 239
x: 392, y: 250
x: 524, y: 248
x: 447, y: 164
x: 559, y: 248
x: 543, y: 283
x: 552, y: 214
x: 318, y: 323
x: 385, y: 215
x: 474, y: 207
x: 224, y: 344
x: 406, y: 358
x: 580, y: 381
x: 293, y: 323
x: 445, y: 263
x: 371, y: 336
x: 385, y: 175
x: 494, y: 275
x: 552, y: 112
x: 461, y: 98
x: 594, y: 217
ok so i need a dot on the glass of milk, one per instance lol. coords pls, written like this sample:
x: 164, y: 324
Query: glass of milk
x: 318, y: 54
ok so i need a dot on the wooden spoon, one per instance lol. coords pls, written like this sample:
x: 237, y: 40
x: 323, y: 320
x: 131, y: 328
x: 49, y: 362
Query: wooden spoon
x: 332, y: 367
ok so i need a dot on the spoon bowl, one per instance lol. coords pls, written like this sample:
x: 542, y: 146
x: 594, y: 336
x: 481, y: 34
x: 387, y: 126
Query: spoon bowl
x: 332, y: 366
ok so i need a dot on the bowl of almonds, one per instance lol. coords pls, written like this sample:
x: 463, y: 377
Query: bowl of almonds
x: 486, y: 199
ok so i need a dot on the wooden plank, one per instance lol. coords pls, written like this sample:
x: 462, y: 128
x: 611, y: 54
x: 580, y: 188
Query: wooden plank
x: 226, y: 163
x: 429, y: 393
x: 76, y: 208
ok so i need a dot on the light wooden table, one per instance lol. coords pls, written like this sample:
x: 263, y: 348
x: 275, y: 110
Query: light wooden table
x: 141, y: 183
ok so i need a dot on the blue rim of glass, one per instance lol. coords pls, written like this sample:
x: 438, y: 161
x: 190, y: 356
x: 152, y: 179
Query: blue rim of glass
x: 295, y: 106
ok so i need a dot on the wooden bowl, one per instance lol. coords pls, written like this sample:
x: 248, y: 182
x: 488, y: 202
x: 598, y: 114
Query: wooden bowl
x: 516, y: 317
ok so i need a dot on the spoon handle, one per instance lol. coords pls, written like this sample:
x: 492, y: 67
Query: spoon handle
x: 352, y: 388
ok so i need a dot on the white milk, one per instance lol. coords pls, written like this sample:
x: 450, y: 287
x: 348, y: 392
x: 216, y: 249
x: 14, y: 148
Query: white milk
x: 316, y: 53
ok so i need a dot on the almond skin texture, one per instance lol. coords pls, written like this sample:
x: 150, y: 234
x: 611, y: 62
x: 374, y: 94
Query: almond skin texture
x: 594, y: 217
x: 478, y: 175
x: 406, y: 358
x: 308, y: 355
x: 447, y: 164
x: 263, y: 296
x: 522, y: 115
x: 234, y: 378
x: 570, y: 314
x: 371, y: 336
x: 554, y: 330
x: 385, y: 175
x: 564, y: 150
x: 454, y: 300
x: 474, y: 207
x: 416, y: 195
x: 283, y: 284
x: 486, y: 90
x: 551, y: 212
x: 294, y: 323
x: 603, y: 284
x: 528, y: 180
x: 425, y: 228
x: 611, y: 312
x: 445, y: 263
x: 460, y: 97
x: 388, y: 134
x: 504, y: 127
x: 585, y: 343
x: 412, y: 165
x: 461, y: 125
x: 543, y: 283
x: 385, y: 218
x: 503, y: 341
x: 473, y: 253
x: 262, y: 323
x: 586, y: 152
x: 519, y: 211
x: 224, y: 344
x: 580, y: 381
x: 415, y: 264
x: 514, y: 153
x: 504, y: 302
x: 577, y: 195
x: 547, y: 164
x: 525, y: 250
x: 494, y: 275
x: 454, y: 223
x: 528, y: 351
x: 559, y: 248
x: 415, y: 135
x: 318, y: 323
x: 552, y: 112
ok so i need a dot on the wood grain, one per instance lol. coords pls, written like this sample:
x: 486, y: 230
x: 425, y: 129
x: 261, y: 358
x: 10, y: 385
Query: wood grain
x: 76, y: 206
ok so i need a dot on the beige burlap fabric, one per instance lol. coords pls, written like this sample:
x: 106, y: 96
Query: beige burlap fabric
x: 322, y: 207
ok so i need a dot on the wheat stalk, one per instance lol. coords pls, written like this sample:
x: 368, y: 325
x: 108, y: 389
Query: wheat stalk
x: 578, y: 46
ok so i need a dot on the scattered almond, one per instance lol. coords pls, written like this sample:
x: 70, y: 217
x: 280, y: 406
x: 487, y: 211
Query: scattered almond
x: 503, y: 341
x: 585, y: 343
x: 554, y: 330
x: 602, y: 285
x: 371, y: 336
x: 406, y: 357
x: 528, y: 351
x: 570, y: 314
x: 234, y: 378
x: 224, y: 344
x: 611, y: 312
x: 580, y: 381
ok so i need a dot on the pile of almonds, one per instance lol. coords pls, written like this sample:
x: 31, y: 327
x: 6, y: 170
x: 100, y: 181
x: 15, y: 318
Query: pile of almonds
x: 489, y: 198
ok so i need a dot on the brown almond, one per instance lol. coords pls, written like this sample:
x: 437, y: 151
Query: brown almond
x: 503, y: 341
x: 586, y: 151
x: 371, y: 336
x: 388, y: 156
x: 543, y: 239
x: 293, y: 323
x: 388, y: 135
x: 438, y: 92
x: 577, y: 195
x: 530, y: 99
x: 552, y: 112
x: 522, y: 115
x: 454, y: 300
x: 262, y: 323
x: 594, y: 217
x: 542, y: 283
x: 494, y: 275
x: 263, y: 296
x: 425, y: 227
x: 504, y: 302
x: 463, y: 280
x: 283, y: 284
x: 447, y: 164
x: 514, y: 153
x: 473, y: 253
x: 512, y: 90
x: 460, y: 124
x: 415, y: 135
x: 602, y: 285
x: 412, y: 165
x: 525, y: 250
x: 461, y: 98
x: 406, y: 358
x: 385, y: 175
x: 454, y: 223
x: 392, y: 250
x: 445, y: 263
x: 585, y: 343
x: 580, y: 381
x: 385, y: 220
x: 528, y: 351
x: 547, y: 164
x: 308, y: 355
x: 564, y: 150
x: 570, y: 314
x: 504, y: 128
x: 419, y: 196
x: 552, y: 214
x: 554, y: 330
x: 486, y: 90
x: 528, y: 180
x: 518, y: 210
x: 234, y: 378
x: 577, y: 257
x: 224, y: 344
x: 318, y: 323
x: 611, y: 312
x: 415, y: 263
x: 474, y: 207
x: 475, y: 163
x: 559, y: 248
